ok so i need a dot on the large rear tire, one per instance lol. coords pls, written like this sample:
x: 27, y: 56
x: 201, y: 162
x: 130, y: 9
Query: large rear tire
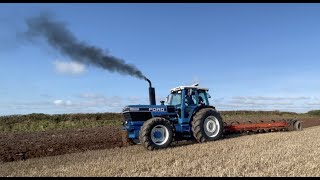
x: 297, y: 126
x: 207, y: 125
x: 156, y: 133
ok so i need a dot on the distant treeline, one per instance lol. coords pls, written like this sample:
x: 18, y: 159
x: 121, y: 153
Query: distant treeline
x: 61, y: 117
x: 41, y: 122
x: 314, y: 112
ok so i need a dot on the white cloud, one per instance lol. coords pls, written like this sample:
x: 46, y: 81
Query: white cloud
x: 93, y: 102
x: 261, y: 102
x: 99, y: 100
x: 218, y: 100
x: 134, y: 100
x: 314, y: 103
x: 60, y: 102
x: 68, y: 102
x: 93, y: 96
x: 73, y: 67
x: 295, y: 104
x: 269, y: 98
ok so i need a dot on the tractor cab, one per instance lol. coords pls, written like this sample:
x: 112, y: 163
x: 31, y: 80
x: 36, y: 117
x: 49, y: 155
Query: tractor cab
x: 186, y: 99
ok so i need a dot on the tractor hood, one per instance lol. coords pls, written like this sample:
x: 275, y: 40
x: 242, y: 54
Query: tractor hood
x: 147, y: 108
x: 145, y: 112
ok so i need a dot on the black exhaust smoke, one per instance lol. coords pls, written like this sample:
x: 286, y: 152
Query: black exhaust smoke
x: 60, y: 38
x: 152, y: 94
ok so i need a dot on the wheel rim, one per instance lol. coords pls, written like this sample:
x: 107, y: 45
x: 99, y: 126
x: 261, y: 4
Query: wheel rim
x: 159, y: 134
x: 211, y: 126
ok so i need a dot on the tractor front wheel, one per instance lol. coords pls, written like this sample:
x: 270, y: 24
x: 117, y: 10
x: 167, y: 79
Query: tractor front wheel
x: 156, y: 133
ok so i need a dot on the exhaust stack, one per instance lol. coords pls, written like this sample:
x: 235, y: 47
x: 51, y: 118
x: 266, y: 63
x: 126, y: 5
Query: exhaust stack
x: 152, y: 95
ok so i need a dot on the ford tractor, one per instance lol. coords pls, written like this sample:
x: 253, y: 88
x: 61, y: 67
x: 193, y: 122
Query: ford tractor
x: 186, y: 115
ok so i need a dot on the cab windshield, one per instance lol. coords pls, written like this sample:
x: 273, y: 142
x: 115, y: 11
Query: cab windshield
x: 175, y: 98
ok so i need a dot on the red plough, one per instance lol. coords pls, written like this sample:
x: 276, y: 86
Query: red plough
x: 271, y: 126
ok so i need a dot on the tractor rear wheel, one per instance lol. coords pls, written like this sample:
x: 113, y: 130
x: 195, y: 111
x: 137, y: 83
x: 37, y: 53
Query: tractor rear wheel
x: 207, y: 125
x: 297, y: 126
x: 156, y: 133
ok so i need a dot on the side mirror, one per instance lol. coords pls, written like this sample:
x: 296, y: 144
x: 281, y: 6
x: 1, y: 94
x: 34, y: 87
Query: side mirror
x: 167, y: 99
x: 209, y: 95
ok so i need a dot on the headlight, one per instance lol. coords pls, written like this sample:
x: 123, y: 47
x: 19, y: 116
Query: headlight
x: 125, y: 109
x: 124, y: 123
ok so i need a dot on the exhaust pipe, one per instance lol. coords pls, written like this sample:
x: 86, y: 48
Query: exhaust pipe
x: 152, y: 95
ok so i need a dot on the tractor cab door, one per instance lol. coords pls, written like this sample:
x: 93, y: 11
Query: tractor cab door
x: 191, y: 102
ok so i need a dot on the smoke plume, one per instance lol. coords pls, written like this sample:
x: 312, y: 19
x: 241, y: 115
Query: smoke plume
x: 60, y: 38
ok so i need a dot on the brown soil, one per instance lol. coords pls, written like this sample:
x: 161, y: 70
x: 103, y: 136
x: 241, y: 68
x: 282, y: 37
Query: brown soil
x: 21, y: 146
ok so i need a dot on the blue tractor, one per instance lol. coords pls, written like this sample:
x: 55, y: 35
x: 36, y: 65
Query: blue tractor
x: 186, y: 115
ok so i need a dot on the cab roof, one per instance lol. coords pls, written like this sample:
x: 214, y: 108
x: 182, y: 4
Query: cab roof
x: 194, y: 86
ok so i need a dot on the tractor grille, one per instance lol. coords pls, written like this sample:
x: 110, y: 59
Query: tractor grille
x: 127, y: 116
x: 171, y: 109
x: 137, y: 116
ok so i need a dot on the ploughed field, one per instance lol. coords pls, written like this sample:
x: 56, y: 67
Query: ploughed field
x: 20, y: 146
x: 26, y: 145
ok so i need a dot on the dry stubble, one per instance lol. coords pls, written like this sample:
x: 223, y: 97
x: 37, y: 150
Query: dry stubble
x: 272, y: 154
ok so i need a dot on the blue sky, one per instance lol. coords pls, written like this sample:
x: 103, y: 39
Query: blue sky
x: 250, y: 56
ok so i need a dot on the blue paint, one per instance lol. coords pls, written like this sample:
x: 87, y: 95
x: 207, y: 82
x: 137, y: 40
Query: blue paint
x: 157, y: 134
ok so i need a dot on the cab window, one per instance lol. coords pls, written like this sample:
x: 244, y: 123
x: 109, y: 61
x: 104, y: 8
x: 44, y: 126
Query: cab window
x: 175, y: 98
x: 202, y: 98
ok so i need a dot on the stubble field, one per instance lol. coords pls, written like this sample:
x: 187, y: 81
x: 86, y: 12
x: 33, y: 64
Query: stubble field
x: 294, y: 153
